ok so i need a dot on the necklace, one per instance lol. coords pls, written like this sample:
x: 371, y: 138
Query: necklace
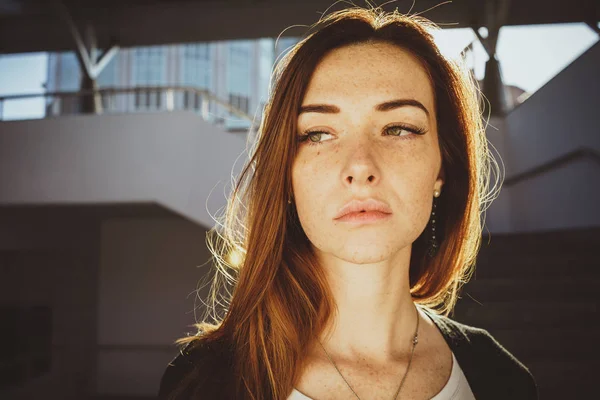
x: 414, y: 344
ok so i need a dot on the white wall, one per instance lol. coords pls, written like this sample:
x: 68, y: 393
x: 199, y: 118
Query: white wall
x: 560, y: 117
x: 175, y: 159
x: 498, y: 216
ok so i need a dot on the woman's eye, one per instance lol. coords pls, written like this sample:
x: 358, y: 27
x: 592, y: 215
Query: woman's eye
x: 316, y: 136
x: 398, y: 130
x: 313, y: 137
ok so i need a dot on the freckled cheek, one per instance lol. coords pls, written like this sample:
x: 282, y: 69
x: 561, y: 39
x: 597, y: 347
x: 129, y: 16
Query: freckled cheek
x: 310, y: 180
x: 312, y: 184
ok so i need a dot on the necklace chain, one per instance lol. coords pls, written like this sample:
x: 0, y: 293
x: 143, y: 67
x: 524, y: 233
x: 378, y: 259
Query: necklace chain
x: 414, y: 344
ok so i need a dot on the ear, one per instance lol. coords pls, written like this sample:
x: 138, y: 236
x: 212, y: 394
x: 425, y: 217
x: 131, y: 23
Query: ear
x: 440, y: 180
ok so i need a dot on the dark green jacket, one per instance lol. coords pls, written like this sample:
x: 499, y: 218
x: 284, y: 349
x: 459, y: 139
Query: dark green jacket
x: 492, y: 372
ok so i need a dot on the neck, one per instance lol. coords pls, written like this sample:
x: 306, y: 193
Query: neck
x: 376, y: 317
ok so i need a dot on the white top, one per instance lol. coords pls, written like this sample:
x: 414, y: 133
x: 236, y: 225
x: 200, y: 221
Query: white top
x: 457, y: 387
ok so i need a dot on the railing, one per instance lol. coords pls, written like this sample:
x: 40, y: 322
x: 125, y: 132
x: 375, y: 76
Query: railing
x: 137, y: 99
x: 553, y: 164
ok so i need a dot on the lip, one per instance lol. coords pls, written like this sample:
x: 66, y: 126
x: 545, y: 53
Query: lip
x: 363, y: 210
x: 364, y: 217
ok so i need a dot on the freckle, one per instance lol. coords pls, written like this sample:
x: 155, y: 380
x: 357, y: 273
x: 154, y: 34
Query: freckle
x: 318, y: 152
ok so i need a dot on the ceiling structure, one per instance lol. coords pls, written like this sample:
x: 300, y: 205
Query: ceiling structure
x: 36, y: 25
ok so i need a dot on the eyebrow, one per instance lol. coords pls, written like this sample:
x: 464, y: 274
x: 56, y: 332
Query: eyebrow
x: 385, y: 106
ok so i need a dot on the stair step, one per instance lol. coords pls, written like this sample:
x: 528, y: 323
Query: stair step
x: 565, y: 288
x: 565, y: 379
x: 531, y: 265
x: 563, y: 240
x: 548, y: 370
x: 549, y: 344
x: 537, y: 316
x: 537, y: 294
x: 569, y: 389
x: 122, y: 397
x: 548, y: 254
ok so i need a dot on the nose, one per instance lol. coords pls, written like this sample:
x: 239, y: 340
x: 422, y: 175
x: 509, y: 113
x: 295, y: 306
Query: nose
x: 351, y: 178
x: 361, y: 168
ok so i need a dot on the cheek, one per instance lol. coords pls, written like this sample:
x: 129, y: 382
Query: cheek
x: 414, y: 177
x: 408, y: 178
x: 308, y: 178
x: 312, y: 183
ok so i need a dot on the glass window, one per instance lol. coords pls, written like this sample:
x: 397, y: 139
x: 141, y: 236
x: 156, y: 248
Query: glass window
x: 196, y: 65
x: 239, y: 78
x: 108, y: 76
x: 149, y: 66
x: 69, y: 74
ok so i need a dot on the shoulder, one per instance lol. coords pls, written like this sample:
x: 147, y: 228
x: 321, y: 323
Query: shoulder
x: 200, y: 366
x: 484, y: 359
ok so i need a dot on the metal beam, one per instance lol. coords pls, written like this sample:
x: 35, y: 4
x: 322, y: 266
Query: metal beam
x: 82, y: 52
x: 86, y: 50
x: 104, y: 60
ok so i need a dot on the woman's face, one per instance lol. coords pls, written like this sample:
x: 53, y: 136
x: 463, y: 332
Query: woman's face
x: 365, y: 147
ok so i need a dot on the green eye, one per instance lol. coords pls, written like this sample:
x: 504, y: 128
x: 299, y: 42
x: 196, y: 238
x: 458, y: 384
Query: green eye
x: 397, y: 130
x: 313, y: 136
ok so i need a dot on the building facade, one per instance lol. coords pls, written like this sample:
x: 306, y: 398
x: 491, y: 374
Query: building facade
x: 236, y: 72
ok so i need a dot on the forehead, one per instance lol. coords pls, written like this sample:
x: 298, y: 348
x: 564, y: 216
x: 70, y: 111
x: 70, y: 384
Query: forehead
x: 366, y: 71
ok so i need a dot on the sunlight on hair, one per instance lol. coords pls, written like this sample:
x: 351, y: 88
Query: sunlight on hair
x: 235, y: 258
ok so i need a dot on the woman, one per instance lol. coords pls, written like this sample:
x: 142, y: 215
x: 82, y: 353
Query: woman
x: 357, y: 216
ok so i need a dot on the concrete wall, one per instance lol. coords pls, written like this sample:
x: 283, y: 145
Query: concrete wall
x: 121, y: 292
x: 560, y: 117
x: 54, y: 263
x: 498, y: 216
x: 149, y: 271
x: 566, y: 199
x: 175, y: 159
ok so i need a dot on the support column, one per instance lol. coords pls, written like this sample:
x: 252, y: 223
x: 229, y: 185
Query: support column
x: 90, y: 63
x: 89, y: 103
x: 493, y: 89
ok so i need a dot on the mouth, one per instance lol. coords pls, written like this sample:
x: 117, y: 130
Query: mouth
x: 364, y: 217
x: 365, y: 209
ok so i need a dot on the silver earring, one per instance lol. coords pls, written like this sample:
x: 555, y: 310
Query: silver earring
x: 433, y: 242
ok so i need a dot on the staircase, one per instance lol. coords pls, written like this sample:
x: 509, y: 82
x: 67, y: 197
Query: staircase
x: 537, y: 294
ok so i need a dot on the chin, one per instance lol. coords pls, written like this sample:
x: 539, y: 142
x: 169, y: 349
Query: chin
x: 363, y: 258
x: 365, y: 253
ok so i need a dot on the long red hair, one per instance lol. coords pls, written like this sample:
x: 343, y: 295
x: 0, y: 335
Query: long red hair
x: 270, y: 304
